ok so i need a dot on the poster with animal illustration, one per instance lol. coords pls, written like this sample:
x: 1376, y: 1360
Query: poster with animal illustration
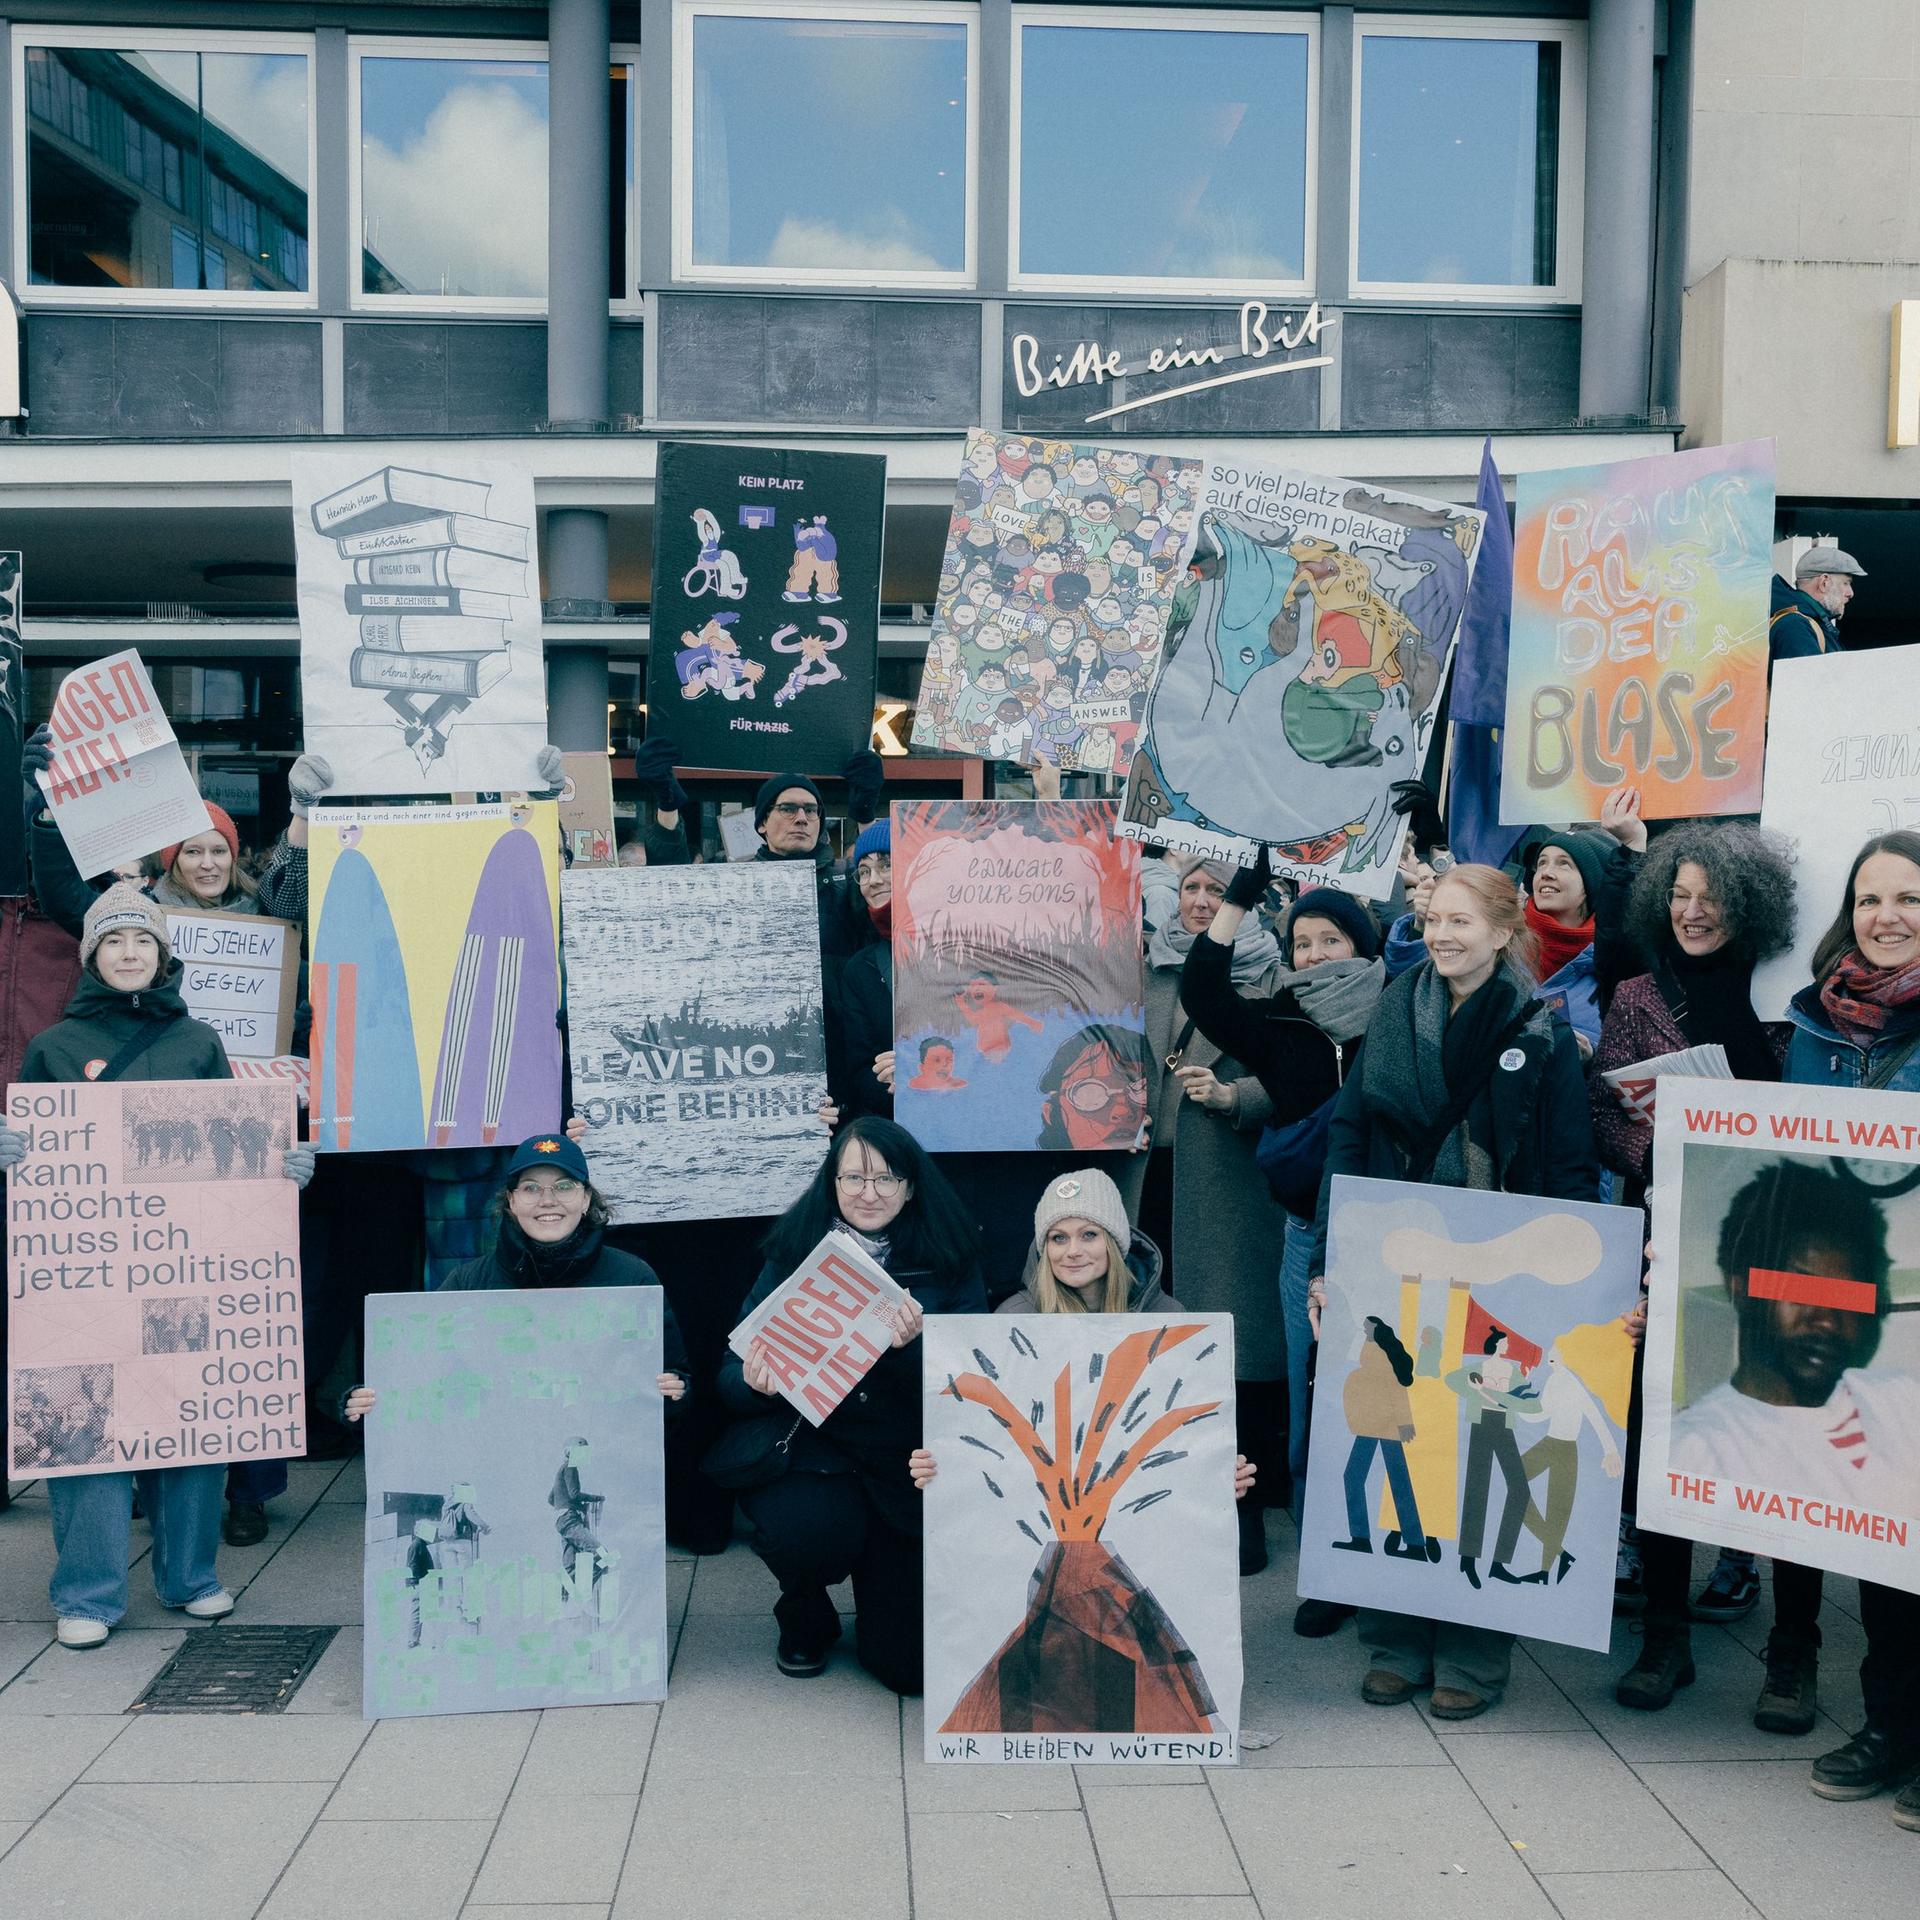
x: 1470, y: 1407
x: 1639, y: 636
x: 1305, y: 655
x: 1781, y: 1388
x: 516, y: 1501
x: 766, y: 604
x: 1019, y: 1011
x: 695, y: 1024
x: 434, y: 942
x: 421, y: 669
x: 1059, y: 572
x: 1082, y: 1591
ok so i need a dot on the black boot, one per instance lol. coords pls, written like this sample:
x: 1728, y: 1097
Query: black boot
x: 1315, y: 1619
x: 1665, y: 1665
x: 1787, y: 1700
x: 1871, y: 1762
x: 1466, y: 1567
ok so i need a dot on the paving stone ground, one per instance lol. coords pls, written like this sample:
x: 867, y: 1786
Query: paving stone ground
x: 751, y: 1794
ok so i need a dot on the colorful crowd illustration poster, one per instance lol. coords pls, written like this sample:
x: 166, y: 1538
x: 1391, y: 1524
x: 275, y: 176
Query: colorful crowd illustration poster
x: 13, y: 698
x: 516, y: 1503
x: 698, y: 1050
x: 1843, y: 760
x: 1019, y: 1011
x: 421, y: 669
x: 434, y: 976
x: 169, y: 1334
x: 766, y: 603
x: 1303, y: 665
x: 1782, y: 1381
x: 1470, y: 1408
x: 1639, y: 638
x: 1060, y: 569
x: 1087, y: 1613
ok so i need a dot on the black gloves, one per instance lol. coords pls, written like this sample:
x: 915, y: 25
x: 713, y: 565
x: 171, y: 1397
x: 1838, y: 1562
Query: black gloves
x: 653, y: 774
x: 36, y: 756
x: 866, y: 775
x: 1248, y: 887
x: 1416, y: 800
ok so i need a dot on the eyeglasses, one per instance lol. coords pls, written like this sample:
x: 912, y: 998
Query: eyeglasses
x: 876, y: 866
x: 1091, y: 1096
x: 886, y: 1185
x: 563, y: 1187
x: 795, y: 809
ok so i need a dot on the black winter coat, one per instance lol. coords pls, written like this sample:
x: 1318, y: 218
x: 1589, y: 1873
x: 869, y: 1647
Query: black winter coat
x: 1533, y: 1120
x: 877, y: 1425
x: 1298, y: 1066
x: 101, y: 1020
x: 866, y: 1029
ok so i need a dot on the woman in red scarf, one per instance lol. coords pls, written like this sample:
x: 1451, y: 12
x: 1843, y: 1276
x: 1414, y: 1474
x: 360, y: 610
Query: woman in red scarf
x: 1563, y: 887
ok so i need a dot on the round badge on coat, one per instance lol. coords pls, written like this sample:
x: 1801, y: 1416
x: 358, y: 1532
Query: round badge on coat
x: 1513, y: 1059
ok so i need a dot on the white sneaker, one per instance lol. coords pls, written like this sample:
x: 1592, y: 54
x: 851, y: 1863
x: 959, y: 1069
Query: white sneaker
x: 81, y: 1634
x: 210, y: 1606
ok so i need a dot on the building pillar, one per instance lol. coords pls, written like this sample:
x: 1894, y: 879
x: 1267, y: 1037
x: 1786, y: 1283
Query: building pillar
x: 1616, y: 276
x: 575, y: 543
x: 577, y: 699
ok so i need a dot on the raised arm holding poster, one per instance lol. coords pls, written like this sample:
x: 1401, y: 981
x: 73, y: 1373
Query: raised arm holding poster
x: 1018, y: 1001
x: 118, y: 788
x: 1060, y: 569
x: 153, y: 1278
x: 820, y: 1331
x: 694, y: 1019
x: 1082, y: 1598
x: 1782, y: 1384
x: 1470, y: 1407
x: 516, y: 1504
x: 1303, y: 666
x: 1639, y: 636
x: 435, y: 975
x: 420, y: 643
x: 766, y: 601
x: 1843, y: 764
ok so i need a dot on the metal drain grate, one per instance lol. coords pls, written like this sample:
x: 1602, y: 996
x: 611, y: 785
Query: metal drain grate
x: 235, y: 1670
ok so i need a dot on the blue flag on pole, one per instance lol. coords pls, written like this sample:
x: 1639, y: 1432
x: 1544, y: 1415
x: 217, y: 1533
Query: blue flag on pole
x: 1478, y: 705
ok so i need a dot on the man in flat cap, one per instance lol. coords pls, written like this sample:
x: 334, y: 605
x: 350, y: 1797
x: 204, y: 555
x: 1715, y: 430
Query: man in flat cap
x: 1806, y: 616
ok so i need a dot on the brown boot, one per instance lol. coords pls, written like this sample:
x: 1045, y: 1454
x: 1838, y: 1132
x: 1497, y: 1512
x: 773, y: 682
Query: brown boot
x: 1665, y: 1665
x: 1787, y: 1702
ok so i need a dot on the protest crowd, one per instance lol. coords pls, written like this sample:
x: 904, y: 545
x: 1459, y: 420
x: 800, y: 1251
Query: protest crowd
x: 1455, y: 1035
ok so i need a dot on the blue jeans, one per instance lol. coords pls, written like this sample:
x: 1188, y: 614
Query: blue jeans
x: 1359, y: 1462
x: 93, y: 1525
x: 1295, y: 1261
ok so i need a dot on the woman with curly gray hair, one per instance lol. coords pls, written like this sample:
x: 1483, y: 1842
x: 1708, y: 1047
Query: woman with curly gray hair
x: 1712, y: 899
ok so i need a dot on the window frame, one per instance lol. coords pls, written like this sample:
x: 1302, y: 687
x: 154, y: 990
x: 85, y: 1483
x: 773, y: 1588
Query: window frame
x: 26, y: 36
x: 686, y: 272
x: 1304, y: 26
x: 1570, y: 200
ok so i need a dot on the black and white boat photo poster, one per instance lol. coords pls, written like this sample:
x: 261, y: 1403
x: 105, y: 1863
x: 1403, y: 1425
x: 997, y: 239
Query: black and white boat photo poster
x: 419, y: 592
x: 695, y: 1027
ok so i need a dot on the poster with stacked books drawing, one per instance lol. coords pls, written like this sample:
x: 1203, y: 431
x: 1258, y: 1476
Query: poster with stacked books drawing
x: 419, y: 588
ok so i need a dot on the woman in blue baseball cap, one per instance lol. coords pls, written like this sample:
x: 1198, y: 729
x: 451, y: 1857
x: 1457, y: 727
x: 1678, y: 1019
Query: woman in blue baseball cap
x: 553, y: 1225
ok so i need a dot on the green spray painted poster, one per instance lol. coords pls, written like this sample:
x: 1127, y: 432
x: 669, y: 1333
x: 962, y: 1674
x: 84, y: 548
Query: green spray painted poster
x: 516, y: 1542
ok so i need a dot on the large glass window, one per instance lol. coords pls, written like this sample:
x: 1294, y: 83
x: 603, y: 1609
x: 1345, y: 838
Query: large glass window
x: 452, y: 193
x: 819, y: 145
x: 1467, y: 176
x: 1201, y: 134
x: 166, y: 168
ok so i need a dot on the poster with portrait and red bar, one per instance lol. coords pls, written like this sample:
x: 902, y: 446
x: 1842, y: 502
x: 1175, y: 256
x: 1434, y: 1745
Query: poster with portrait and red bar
x: 1782, y: 1382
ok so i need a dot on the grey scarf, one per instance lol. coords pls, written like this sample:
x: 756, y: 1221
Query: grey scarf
x: 1254, y: 949
x: 1338, y: 996
x: 1405, y: 1076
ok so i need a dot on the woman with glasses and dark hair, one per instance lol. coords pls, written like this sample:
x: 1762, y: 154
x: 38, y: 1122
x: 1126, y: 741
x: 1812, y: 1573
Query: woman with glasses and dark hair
x: 835, y: 1501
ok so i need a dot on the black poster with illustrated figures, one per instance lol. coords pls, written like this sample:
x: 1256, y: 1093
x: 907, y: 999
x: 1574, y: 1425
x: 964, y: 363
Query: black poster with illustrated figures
x: 13, y: 708
x: 766, y: 605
